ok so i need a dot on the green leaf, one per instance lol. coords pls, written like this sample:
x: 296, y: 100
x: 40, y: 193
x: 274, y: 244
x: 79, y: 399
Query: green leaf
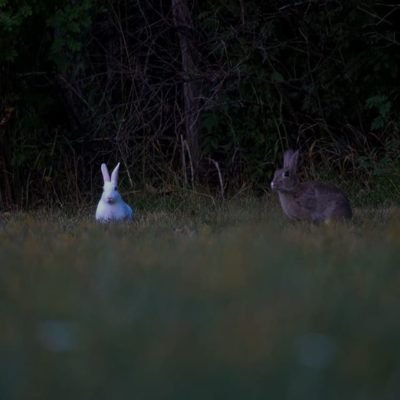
x: 277, y: 77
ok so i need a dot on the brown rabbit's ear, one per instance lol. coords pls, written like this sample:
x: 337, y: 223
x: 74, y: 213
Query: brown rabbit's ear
x: 293, y: 161
x: 287, y: 158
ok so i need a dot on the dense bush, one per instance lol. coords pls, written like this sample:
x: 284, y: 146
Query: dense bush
x: 210, y: 93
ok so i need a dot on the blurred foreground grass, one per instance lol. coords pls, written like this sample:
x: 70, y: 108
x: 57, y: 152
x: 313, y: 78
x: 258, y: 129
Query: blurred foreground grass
x: 208, y: 302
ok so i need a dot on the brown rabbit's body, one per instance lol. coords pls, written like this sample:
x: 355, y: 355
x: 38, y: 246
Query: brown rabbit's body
x: 316, y: 202
x: 311, y: 201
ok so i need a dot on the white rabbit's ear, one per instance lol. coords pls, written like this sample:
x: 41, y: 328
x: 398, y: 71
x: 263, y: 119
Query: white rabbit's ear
x: 114, y: 174
x: 104, y: 171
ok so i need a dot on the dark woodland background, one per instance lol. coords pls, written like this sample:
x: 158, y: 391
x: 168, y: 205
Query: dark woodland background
x: 188, y: 93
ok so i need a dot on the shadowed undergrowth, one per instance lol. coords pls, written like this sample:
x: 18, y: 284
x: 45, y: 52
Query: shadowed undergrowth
x: 208, y: 302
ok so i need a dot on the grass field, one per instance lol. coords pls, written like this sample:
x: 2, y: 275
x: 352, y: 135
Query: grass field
x: 199, y: 301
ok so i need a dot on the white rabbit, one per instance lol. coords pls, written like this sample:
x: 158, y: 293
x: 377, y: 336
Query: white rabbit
x: 111, y: 207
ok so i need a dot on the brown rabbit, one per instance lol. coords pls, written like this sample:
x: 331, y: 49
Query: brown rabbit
x: 310, y: 201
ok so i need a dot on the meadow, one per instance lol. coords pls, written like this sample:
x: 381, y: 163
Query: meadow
x: 199, y: 300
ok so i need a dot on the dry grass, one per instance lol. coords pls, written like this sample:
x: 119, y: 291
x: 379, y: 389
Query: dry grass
x: 205, y: 302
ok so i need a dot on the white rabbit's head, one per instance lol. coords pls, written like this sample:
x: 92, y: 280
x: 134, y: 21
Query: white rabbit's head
x: 110, y: 189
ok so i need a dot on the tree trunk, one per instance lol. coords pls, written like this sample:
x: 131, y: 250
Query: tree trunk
x: 191, y: 93
x: 6, y: 197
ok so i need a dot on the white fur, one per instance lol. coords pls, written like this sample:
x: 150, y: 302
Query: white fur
x: 111, y: 207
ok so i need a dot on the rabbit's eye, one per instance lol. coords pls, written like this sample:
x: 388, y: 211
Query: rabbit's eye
x: 115, y: 188
x: 286, y: 174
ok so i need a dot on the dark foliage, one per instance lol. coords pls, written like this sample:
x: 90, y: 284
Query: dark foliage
x: 209, y: 93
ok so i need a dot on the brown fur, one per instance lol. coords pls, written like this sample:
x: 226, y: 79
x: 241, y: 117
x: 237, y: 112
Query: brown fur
x: 312, y: 201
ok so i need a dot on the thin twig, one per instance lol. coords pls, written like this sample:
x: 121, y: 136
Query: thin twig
x: 221, y: 182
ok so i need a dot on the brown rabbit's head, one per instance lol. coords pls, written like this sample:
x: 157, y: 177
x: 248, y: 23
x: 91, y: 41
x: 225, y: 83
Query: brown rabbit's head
x: 286, y: 179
